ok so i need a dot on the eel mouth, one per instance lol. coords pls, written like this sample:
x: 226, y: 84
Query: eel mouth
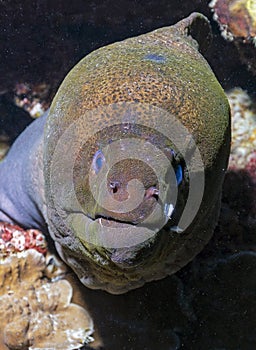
x: 111, y: 222
x: 134, y: 217
x: 119, y: 241
x: 105, y: 220
x: 126, y: 257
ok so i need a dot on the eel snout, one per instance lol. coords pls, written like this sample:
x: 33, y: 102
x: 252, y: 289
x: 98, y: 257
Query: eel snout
x: 127, y: 196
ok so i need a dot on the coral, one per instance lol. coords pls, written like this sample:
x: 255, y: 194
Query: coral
x: 236, y: 18
x: 35, y: 302
x: 243, y: 128
x: 237, y: 22
x: 14, y: 239
x: 237, y: 222
x: 251, y: 166
x: 33, y: 98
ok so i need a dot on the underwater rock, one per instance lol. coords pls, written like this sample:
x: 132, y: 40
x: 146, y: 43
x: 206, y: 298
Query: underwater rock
x: 237, y: 22
x: 35, y: 300
x: 150, y: 111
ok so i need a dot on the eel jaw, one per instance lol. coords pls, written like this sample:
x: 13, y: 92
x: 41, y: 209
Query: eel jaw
x: 117, y: 242
x: 120, y: 239
x: 130, y: 256
x: 110, y: 222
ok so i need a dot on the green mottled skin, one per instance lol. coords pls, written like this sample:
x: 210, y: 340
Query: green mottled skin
x: 184, y: 85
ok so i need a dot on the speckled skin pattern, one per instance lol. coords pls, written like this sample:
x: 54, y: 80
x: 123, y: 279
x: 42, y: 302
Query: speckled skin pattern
x: 165, y: 69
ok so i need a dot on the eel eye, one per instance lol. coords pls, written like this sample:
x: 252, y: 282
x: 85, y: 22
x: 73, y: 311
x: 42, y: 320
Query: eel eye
x: 178, y: 168
x: 179, y: 175
x: 98, y: 161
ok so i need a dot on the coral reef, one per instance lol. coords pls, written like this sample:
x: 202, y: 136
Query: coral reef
x: 35, y: 300
x: 14, y: 239
x: 35, y: 99
x: 237, y: 22
x: 236, y: 18
x: 237, y: 224
x: 243, y: 125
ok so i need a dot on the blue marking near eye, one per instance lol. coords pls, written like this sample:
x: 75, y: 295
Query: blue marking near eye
x: 155, y: 58
x: 179, y: 175
x: 98, y: 161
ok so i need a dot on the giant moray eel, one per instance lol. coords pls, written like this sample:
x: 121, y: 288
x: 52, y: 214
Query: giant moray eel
x: 137, y: 135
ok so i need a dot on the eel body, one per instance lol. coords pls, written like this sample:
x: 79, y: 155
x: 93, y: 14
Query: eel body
x: 125, y: 171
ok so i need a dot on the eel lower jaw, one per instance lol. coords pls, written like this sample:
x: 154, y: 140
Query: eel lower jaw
x: 127, y: 258
x: 111, y: 222
x: 119, y: 242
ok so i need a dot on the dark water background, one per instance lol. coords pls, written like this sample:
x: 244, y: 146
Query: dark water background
x: 210, y: 304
